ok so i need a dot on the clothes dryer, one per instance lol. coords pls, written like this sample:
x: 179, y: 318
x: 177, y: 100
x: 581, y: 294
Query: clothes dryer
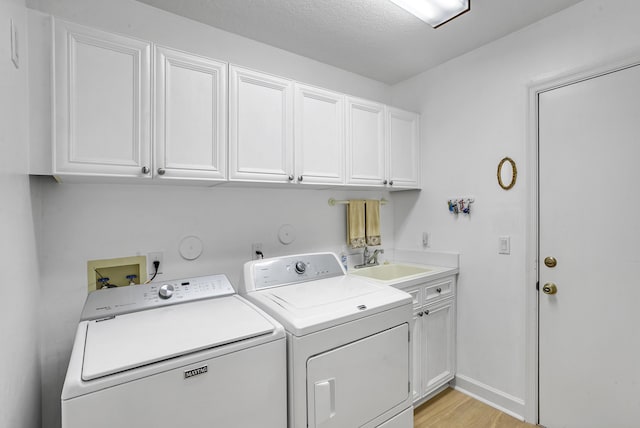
x: 348, y: 341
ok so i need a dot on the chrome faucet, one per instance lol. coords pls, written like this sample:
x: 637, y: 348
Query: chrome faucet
x: 370, y: 259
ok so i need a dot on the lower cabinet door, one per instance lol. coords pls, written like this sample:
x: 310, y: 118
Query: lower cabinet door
x: 439, y: 345
x: 356, y: 383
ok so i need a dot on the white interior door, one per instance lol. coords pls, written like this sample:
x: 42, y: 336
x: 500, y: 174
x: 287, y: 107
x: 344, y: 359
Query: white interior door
x: 589, y: 145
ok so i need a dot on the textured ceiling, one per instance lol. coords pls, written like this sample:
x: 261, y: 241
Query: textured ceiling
x: 373, y: 38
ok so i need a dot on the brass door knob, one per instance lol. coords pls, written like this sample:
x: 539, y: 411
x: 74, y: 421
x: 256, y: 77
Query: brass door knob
x: 550, y: 262
x: 549, y: 288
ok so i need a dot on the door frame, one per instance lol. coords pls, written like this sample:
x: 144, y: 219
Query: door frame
x: 535, y: 88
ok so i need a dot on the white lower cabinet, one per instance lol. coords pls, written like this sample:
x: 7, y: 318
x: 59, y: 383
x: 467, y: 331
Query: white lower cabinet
x: 433, y: 335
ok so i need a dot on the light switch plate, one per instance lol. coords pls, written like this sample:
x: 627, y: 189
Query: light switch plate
x: 504, y: 245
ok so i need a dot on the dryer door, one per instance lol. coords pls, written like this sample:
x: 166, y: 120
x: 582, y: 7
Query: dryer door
x: 356, y: 383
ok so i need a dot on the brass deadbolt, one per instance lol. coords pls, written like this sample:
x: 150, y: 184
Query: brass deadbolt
x: 549, y: 288
x: 550, y: 262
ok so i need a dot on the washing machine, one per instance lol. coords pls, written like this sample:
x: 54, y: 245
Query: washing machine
x: 186, y: 353
x: 348, y: 341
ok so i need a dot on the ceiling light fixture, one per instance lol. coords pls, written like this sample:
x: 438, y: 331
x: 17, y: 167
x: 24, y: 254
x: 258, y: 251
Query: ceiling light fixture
x: 434, y: 12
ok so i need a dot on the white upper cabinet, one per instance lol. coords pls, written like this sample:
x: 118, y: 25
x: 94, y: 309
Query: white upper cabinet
x: 102, y: 103
x: 212, y: 123
x: 260, y: 127
x: 383, y: 146
x: 319, y: 136
x: 403, y: 151
x: 190, y: 116
x: 365, y: 142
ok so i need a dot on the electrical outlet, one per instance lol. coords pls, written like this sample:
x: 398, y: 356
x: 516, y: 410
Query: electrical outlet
x: 256, y: 248
x: 152, y: 257
x: 426, y: 239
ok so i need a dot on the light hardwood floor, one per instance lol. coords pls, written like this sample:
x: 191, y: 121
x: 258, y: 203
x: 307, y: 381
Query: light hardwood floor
x: 453, y: 409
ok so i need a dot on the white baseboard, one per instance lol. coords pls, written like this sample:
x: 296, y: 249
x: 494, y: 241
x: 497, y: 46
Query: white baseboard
x: 500, y: 400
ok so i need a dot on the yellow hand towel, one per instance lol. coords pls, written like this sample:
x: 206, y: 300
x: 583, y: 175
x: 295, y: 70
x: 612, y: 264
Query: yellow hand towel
x: 372, y: 221
x: 355, y: 224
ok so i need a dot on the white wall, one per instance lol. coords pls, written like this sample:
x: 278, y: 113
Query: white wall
x: 80, y: 222
x: 19, y: 366
x: 474, y: 112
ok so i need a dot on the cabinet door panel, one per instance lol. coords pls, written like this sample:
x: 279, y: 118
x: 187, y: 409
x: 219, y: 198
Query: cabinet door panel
x: 439, y: 346
x: 261, y: 126
x: 365, y: 142
x: 404, y: 148
x: 416, y: 348
x: 319, y: 135
x: 190, y: 115
x: 102, y: 100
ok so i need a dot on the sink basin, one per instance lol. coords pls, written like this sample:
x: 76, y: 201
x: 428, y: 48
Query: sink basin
x: 391, y: 271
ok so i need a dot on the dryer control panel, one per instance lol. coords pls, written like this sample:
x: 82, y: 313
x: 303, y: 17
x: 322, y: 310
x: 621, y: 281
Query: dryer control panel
x: 110, y: 302
x: 279, y: 271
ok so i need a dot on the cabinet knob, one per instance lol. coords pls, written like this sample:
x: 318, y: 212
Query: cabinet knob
x: 385, y: 182
x: 161, y: 171
x: 300, y: 178
x: 391, y: 183
x: 145, y: 170
x: 290, y: 178
x: 420, y: 314
x: 426, y: 312
x: 439, y: 290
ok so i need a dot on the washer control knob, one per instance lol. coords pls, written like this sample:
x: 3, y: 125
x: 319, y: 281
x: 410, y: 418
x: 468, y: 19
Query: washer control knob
x: 166, y: 291
x: 300, y: 267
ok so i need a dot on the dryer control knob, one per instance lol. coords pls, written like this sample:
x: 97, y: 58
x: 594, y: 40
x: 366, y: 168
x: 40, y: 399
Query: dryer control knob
x: 300, y: 267
x: 166, y: 291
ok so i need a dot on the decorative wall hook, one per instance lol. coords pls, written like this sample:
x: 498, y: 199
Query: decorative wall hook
x: 460, y: 206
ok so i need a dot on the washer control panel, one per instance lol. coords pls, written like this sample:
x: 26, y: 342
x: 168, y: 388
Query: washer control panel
x: 293, y: 269
x: 110, y: 302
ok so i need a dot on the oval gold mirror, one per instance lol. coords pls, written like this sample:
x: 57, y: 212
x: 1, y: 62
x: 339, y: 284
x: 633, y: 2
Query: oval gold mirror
x: 507, y: 176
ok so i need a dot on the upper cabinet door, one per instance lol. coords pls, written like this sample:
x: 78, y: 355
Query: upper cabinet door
x: 403, y: 155
x: 260, y: 127
x: 191, y: 120
x: 365, y: 142
x: 102, y: 103
x: 319, y: 135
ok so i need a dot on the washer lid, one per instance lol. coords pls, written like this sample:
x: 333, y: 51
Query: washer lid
x: 312, y: 306
x: 132, y: 340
